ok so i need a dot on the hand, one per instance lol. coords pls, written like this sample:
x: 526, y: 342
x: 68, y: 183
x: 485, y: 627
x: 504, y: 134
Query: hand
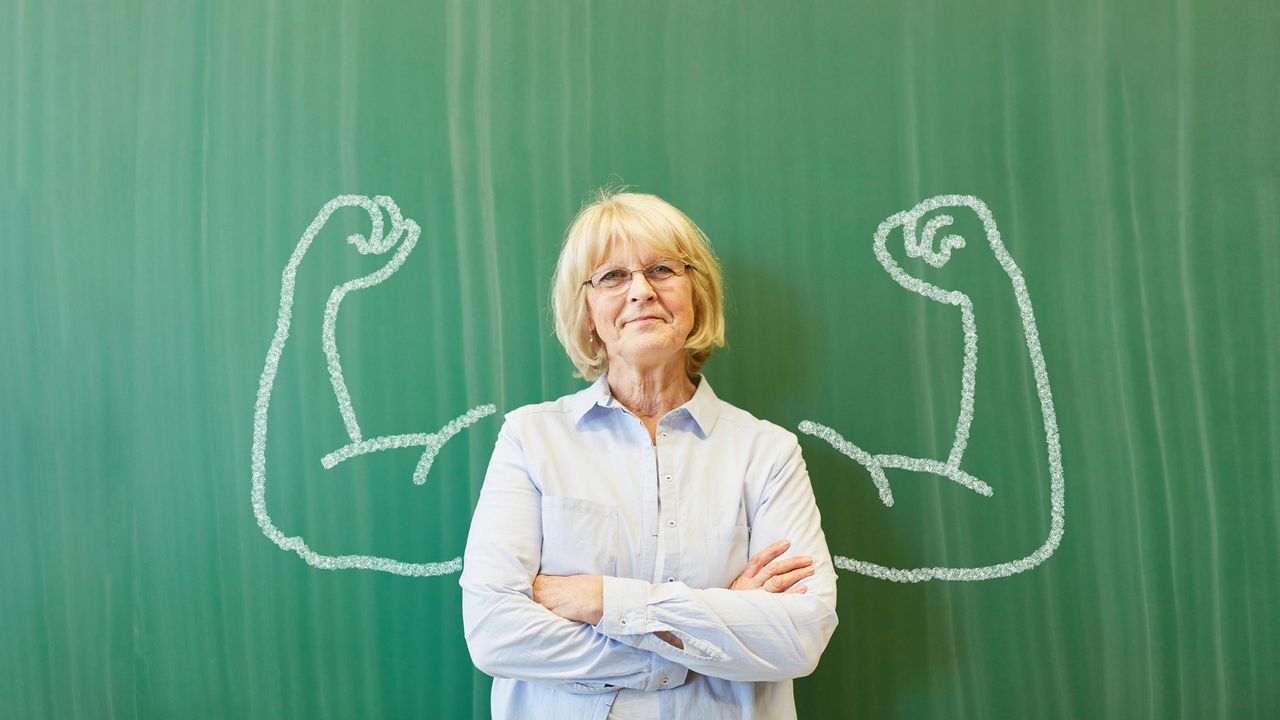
x: 763, y: 573
x: 924, y: 242
x: 573, y: 597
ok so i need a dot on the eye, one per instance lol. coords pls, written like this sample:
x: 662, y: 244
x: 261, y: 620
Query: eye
x: 611, y: 277
x: 661, y: 270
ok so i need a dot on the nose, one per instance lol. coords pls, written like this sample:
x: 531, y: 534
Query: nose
x: 640, y: 288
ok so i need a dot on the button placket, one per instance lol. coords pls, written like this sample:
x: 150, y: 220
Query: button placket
x: 670, y: 512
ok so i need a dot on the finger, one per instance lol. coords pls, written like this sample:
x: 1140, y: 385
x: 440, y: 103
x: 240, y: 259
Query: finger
x: 764, y: 557
x: 780, y: 583
x: 796, y: 590
x: 785, y: 565
x: 780, y: 567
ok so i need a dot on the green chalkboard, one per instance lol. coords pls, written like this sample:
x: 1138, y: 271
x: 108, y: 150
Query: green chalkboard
x: 160, y: 164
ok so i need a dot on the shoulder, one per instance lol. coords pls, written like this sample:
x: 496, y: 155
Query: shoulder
x: 759, y: 431
x: 566, y: 408
x: 770, y: 453
x: 559, y: 406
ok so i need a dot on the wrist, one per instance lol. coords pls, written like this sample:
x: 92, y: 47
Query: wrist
x: 594, y: 610
x: 670, y: 639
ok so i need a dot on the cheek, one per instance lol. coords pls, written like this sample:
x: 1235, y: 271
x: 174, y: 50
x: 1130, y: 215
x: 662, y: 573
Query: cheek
x: 602, y: 320
x: 686, y: 327
x: 687, y: 315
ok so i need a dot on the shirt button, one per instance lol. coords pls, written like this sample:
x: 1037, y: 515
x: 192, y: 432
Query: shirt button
x: 671, y: 579
x: 623, y: 621
x: 664, y: 681
x: 671, y: 523
x: 664, y: 434
x: 667, y: 478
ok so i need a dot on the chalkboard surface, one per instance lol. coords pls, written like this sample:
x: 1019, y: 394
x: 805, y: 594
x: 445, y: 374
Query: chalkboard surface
x: 203, y: 516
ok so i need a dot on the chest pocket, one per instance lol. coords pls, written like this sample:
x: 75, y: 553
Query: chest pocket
x: 579, y: 537
x: 726, y: 549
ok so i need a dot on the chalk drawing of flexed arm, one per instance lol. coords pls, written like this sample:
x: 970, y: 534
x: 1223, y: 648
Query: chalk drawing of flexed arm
x: 402, y: 236
x: 920, y: 243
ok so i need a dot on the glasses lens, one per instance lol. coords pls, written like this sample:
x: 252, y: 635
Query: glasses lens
x: 612, y: 278
x: 661, y: 271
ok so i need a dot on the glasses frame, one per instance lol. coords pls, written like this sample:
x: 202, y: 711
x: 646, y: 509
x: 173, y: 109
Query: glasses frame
x: 632, y: 277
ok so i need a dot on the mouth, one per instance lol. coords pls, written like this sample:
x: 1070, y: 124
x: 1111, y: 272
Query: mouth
x: 645, y: 319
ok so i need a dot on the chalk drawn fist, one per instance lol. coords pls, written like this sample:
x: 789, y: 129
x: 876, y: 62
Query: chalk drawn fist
x: 399, y: 241
x: 930, y: 245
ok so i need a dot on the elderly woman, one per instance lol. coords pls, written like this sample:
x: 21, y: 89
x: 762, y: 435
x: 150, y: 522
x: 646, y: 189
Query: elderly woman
x: 642, y: 548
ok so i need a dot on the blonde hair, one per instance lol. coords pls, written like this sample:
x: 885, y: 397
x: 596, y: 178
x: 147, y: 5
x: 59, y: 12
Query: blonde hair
x: 630, y: 220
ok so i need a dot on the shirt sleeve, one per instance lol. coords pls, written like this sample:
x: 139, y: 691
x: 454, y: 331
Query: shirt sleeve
x: 741, y: 635
x: 510, y: 635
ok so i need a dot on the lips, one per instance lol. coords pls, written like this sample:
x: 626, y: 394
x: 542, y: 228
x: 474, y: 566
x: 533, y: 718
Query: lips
x: 643, y: 318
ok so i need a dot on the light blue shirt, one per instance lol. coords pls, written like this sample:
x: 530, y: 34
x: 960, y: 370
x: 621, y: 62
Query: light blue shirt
x: 576, y: 486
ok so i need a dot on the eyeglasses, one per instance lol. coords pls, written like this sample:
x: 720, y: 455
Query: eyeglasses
x: 617, y: 279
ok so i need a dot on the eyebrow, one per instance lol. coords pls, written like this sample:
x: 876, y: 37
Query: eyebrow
x: 619, y: 264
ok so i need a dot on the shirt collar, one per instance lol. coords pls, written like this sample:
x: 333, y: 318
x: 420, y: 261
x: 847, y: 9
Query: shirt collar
x: 703, y: 407
x: 597, y: 395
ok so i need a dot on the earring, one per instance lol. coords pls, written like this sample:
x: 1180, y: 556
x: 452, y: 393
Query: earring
x: 593, y: 336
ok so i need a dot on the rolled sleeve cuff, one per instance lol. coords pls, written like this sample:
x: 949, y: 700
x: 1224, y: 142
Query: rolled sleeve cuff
x: 625, y: 619
x: 628, y: 618
x: 626, y: 602
x: 666, y: 674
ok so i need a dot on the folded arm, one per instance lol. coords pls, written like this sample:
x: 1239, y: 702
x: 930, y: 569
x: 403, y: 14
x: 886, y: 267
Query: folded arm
x: 755, y: 635
x: 510, y: 635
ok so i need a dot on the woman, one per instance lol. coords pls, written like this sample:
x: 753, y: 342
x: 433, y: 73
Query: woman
x: 642, y: 548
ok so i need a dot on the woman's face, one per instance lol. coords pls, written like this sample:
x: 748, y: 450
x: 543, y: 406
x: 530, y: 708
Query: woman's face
x: 642, y: 325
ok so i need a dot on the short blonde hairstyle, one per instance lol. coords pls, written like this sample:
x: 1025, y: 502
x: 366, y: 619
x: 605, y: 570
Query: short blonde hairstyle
x: 632, y: 220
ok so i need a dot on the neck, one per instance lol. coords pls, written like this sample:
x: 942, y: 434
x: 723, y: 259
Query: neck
x: 651, y: 392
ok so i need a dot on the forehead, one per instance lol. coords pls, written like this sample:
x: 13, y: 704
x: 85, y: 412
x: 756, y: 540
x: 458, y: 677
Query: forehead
x: 632, y: 250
